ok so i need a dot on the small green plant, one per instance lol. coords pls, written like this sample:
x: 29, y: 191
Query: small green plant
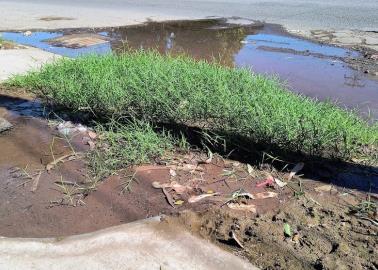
x: 130, y: 143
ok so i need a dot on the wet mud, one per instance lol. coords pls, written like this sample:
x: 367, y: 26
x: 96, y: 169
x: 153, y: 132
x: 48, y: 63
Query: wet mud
x: 325, y: 72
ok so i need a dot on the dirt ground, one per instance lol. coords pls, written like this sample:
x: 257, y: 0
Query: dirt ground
x: 243, y: 209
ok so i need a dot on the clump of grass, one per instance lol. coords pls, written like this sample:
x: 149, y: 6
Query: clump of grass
x: 164, y: 89
x: 131, y: 143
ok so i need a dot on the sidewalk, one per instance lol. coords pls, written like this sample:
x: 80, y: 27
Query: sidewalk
x: 19, y: 61
x: 145, y: 244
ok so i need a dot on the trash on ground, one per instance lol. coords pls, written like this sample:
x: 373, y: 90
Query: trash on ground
x: 267, y: 182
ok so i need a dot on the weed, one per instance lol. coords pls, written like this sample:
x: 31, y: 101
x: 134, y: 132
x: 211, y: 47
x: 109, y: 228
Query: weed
x: 180, y: 90
x: 123, y: 144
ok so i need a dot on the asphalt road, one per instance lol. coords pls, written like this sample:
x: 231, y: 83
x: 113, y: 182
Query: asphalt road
x: 293, y: 14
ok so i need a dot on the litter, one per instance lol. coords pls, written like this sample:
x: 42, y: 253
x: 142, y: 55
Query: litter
x: 267, y: 182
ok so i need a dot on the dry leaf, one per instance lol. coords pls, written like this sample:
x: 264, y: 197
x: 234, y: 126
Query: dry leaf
x: 168, y: 197
x: 236, y: 239
x: 242, y: 207
x: 295, y: 238
x: 197, y: 198
x: 265, y: 195
x: 250, y: 169
x: 299, y: 166
x: 280, y: 183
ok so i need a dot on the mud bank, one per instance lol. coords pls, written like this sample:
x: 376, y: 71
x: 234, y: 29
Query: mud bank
x: 324, y: 72
x: 241, y: 208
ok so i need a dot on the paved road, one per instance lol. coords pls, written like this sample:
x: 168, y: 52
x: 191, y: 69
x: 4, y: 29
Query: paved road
x: 294, y: 14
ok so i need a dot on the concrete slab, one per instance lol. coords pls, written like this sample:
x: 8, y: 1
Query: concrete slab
x: 146, y: 244
x: 20, y: 61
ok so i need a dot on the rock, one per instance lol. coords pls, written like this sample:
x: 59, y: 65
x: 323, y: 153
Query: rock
x: 4, y: 125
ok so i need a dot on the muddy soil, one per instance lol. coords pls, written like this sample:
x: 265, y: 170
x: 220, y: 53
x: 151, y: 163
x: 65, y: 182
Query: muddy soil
x: 325, y: 236
x: 244, y: 209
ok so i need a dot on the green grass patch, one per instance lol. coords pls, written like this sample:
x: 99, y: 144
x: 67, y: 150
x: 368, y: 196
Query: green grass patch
x: 164, y: 89
x: 131, y: 143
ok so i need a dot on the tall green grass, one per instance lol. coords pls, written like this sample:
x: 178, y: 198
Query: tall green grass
x: 156, y: 88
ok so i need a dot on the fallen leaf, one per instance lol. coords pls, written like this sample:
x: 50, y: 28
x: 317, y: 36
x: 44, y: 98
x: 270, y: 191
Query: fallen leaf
x: 236, y: 239
x: 168, y: 197
x: 287, y: 230
x: 179, y: 202
x: 197, y: 198
x: 267, y: 182
x: 242, y: 207
x: 250, y: 169
x: 295, y: 238
x: 299, y: 166
x: 265, y: 195
x: 280, y: 183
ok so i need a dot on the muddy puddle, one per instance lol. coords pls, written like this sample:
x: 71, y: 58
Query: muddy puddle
x: 315, y: 70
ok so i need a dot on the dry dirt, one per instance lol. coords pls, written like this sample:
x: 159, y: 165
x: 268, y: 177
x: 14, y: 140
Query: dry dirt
x: 326, y: 234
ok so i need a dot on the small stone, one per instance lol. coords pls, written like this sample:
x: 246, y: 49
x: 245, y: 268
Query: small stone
x: 4, y: 125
